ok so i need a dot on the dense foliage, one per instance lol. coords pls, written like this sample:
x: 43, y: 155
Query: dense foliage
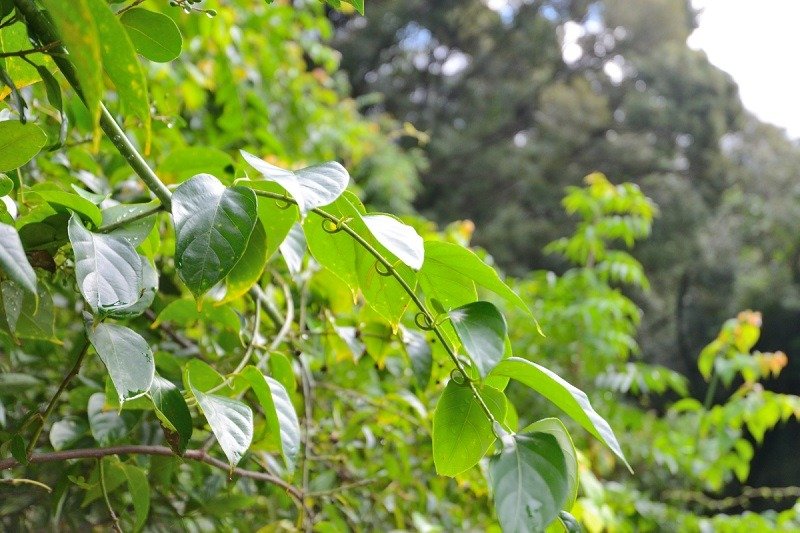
x: 212, y: 318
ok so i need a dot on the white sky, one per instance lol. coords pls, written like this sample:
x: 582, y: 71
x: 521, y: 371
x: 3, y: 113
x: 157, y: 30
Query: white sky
x: 758, y: 43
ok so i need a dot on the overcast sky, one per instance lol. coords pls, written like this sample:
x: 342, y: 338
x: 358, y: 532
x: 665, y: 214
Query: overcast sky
x: 758, y: 43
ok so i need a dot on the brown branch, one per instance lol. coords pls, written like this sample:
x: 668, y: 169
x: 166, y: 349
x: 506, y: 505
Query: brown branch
x: 195, y: 455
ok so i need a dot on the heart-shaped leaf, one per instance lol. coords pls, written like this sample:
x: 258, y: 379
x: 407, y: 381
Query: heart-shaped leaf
x: 281, y: 418
x: 127, y: 357
x: 213, y: 225
x: 529, y: 482
x: 311, y: 187
x: 13, y: 260
x: 154, y: 35
x: 400, y: 239
x: 482, y: 330
x: 108, y: 269
x: 230, y: 420
x: 462, y: 433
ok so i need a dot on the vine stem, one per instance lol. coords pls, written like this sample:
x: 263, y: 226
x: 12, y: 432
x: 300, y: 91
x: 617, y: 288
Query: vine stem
x: 343, y: 226
x: 104, y: 490
x: 81, y: 348
x: 142, y: 449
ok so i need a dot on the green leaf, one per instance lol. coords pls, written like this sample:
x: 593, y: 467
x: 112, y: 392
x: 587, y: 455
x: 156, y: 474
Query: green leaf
x: 311, y: 187
x: 121, y: 63
x: 556, y: 428
x: 569, y: 399
x: 108, y: 269
x: 6, y: 185
x: 280, y: 367
x: 293, y: 249
x: 12, y: 39
x: 154, y: 35
x: 462, y: 433
x: 277, y: 219
x: 78, y: 32
x: 279, y: 413
x: 482, y: 330
x: 19, y: 449
x: 108, y: 426
x: 127, y: 357
x: 29, y: 315
x: 172, y: 411
x: 212, y: 227
x: 184, y: 163
x: 450, y: 273
x: 139, y: 489
x: 134, y: 232
x: 419, y: 352
x: 400, y: 239
x: 72, y: 202
x: 248, y: 270
x: 147, y: 294
x: 529, y: 482
x: 230, y: 420
x: 19, y: 143
x: 13, y: 260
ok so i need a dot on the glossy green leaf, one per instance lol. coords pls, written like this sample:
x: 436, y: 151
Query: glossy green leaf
x: 136, y: 231
x: 212, y: 227
x: 29, y: 315
x: 462, y: 433
x: 19, y: 143
x: 400, y: 239
x: 276, y: 217
x: 311, y: 187
x: 127, y: 357
x: 280, y: 416
x: 139, y: 489
x: 72, y: 202
x: 293, y: 249
x: 184, y: 163
x: 482, y: 330
x: 13, y: 260
x: 230, y: 420
x: 248, y: 270
x: 450, y: 273
x: 419, y: 352
x: 78, y: 32
x: 556, y: 428
x: 121, y: 64
x: 569, y: 399
x: 173, y: 413
x: 108, y: 269
x: 155, y: 36
x: 529, y: 482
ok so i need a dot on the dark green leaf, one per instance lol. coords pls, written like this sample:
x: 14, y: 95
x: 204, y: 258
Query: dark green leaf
x: 556, y: 428
x: 529, y: 482
x: 19, y: 449
x: 569, y: 399
x: 139, y: 489
x: 462, y: 433
x: 482, y: 330
x: 28, y: 318
x: 13, y: 260
x: 19, y: 143
x: 154, y: 35
x: 172, y: 411
x: 248, y: 270
x: 127, y: 357
x: 212, y: 227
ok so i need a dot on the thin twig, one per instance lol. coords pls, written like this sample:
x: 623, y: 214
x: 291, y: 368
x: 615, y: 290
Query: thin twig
x: 136, y: 449
x: 82, y: 348
x: 129, y: 6
x: 104, y: 490
x: 38, y: 50
x: 342, y: 488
